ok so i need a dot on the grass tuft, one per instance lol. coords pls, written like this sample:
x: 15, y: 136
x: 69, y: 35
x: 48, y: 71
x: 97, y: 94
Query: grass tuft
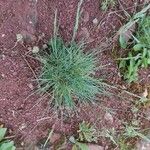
x: 66, y: 72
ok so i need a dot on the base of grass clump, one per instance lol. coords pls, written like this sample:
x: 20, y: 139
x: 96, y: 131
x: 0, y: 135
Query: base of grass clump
x: 67, y: 73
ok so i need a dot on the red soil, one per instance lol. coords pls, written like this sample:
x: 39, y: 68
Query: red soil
x: 27, y: 116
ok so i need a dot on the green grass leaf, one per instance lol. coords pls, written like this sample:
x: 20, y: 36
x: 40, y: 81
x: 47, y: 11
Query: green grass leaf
x: 122, y: 41
x: 138, y: 47
x: 7, y: 145
x: 2, y: 133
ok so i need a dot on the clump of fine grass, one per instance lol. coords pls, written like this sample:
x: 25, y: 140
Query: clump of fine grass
x: 67, y: 72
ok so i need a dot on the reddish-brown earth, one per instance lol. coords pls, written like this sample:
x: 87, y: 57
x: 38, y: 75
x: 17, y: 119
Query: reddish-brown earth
x: 28, y: 115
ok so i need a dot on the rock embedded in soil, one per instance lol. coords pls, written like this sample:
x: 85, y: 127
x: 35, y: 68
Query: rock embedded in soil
x: 35, y: 49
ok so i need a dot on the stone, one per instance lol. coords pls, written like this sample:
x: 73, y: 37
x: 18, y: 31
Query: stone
x: 35, y: 49
x: 19, y: 37
x: 95, y: 21
x: 44, y: 46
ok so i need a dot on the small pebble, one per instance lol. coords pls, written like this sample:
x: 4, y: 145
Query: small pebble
x: 19, y: 37
x: 95, y: 21
x: 2, y: 75
x: 2, y: 57
x: 45, y: 46
x: 22, y: 143
x: 35, y: 49
x: 3, y: 35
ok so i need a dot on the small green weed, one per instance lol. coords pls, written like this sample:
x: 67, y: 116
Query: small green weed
x: 132, y: 131
x: 121, y: 140
x: 110, y: 134
x: 5, y: 144
x: 130, y: 66
x: 139, y: 55
x: 123, y: 145
x: 86, y: 133
x: 107, y: 3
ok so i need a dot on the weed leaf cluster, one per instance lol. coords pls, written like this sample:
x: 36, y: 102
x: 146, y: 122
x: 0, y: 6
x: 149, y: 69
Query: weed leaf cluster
x: 5, y: 144
x: 139, y: 55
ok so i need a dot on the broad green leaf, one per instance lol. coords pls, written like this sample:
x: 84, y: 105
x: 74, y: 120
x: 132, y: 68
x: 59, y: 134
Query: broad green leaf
x: 144, y: 52
x: 122, y: 41
x: 148, y: 54
x: 122, y: 64
x: 2, y: 133
x: 138, y: 47
x: 145, y: 62
x: 7, y: 146
x: 148, y: 61
x: 13, y: 148
x: 131, y: 66
x: 138, y: 63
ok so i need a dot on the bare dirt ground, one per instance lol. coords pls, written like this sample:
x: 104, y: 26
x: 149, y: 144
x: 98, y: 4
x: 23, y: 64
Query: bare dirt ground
x: 27, y: 115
